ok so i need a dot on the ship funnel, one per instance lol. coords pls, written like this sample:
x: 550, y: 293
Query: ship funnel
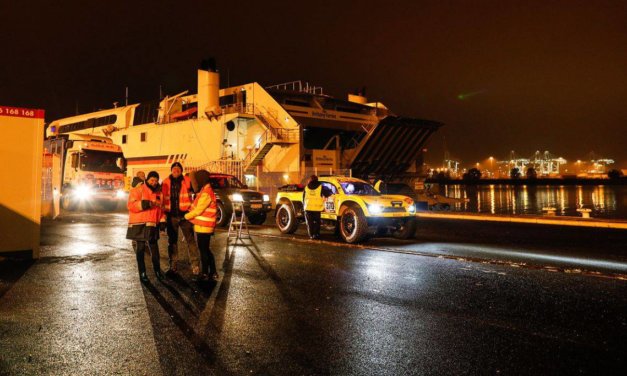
x: 209, y: 89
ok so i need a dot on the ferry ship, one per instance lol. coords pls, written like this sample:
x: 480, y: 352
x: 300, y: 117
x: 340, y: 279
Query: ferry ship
x: 267, y: 136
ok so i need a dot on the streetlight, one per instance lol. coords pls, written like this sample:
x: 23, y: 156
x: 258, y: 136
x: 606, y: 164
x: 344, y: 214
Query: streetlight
x: 491, y: 165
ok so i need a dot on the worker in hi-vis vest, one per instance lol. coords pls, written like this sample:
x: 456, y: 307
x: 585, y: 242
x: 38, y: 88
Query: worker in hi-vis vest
x: 378, y: 184
x: 313, y: 201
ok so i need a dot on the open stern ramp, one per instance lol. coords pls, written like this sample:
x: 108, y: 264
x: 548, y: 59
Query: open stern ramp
x: 392, y: 146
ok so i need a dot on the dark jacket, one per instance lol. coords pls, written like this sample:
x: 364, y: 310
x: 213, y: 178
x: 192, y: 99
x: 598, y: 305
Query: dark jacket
x: 325, y: 192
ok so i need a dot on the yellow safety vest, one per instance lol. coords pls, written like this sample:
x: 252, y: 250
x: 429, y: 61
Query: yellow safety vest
x: 377, y: 185
x: 313, y: 199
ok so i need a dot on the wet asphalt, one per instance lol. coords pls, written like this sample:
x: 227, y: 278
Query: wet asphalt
x: 462, y: 298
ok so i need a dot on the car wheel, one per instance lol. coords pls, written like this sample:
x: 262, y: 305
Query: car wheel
x: 407, y: 229
x: 257, y: 219
x: 67, y: 203
x: 286, y: 219
x: 223, y: 216
x: 353, y: 225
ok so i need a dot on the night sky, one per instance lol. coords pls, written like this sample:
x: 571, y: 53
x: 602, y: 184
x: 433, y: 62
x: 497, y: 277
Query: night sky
x: 502, y: 75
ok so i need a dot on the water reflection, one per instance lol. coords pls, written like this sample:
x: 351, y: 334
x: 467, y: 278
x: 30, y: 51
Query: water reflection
x: 605, y: 201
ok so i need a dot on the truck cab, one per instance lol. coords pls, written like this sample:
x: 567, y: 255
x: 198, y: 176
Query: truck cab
x: 92, y: 170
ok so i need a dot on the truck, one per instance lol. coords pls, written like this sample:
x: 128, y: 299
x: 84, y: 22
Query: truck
x: 92, y: 170
x: 354, y: 210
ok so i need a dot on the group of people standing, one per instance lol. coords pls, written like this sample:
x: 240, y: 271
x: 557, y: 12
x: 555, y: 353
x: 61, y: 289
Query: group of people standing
x: 181, y: 202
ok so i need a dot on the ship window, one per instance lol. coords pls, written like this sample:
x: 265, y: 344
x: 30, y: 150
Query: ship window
x: 89, y: 123
x: 227, y: 100
x: 123, y: 139
x: 142, y: 137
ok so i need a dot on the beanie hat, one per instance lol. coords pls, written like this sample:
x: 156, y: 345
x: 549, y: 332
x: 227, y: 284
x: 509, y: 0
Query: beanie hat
x: 199, y: 179
x: 176, y: 164
x: 152, y: 174
x: 136, y: 181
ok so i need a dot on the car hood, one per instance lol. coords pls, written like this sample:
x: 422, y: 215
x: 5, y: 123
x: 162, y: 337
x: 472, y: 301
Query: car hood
x: 388, y: 200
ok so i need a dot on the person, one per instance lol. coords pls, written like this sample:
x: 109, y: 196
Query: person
x: 177, y: 199
x: 144, y: 208
x: 378, y: 184
x: 313, y: 201
x: 202, y: 214
x: 140, y: 175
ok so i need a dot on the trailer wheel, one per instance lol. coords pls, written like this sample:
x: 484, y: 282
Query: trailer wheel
x: 286, y: 219
x: 353, y: 224
x: 407, y: 229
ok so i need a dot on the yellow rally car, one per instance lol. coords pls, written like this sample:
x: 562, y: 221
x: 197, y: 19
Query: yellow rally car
x: 355, y: 210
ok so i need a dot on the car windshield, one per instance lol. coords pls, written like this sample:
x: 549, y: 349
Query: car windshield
x: 358, y: 188
x: 218, y: 182
x: 100, y: 161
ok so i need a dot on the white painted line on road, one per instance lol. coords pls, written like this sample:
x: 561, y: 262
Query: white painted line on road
x: 550, y: 268
x: 578, y: 222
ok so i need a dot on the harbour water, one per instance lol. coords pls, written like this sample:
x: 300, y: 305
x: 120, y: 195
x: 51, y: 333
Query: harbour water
x: 604, y: 201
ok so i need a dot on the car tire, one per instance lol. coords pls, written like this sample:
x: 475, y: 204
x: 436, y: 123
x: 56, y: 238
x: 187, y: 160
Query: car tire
x: 353, y: 225
x: 223, y: 215
x: 257, y: 219
x: 407, y: 230
x: 286, y: 219
x: 67, y: 203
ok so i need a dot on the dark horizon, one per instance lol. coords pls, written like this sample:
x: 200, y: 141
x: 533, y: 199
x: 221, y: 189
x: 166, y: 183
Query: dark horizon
x: 501, y: 77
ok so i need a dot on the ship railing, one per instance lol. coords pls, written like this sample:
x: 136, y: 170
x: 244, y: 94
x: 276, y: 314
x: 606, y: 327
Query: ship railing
x: 222, y: 166
x: 298, y: 86
x: 272, y: 136
x: 241, y: 108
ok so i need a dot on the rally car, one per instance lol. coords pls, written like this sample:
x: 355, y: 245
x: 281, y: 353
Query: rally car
x: 355, y: 210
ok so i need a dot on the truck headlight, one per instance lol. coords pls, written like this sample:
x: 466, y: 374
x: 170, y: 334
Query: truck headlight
x: 411, y: 208
x: 375, y: 209
x: 120, y: 193
x: 266, y: 198
x: 83, y: 192
x: 236, y: 197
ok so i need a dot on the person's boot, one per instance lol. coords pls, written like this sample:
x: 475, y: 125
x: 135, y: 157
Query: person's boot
x: 143, y: 277
x: 172, y: 256
x: 159, y: 275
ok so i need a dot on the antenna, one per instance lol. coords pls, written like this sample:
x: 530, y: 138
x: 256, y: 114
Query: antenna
x: 126, y: 100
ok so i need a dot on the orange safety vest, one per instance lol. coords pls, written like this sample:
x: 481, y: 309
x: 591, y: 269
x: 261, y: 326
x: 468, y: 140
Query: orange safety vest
x: 206, y: 221
x: 136, y: 215
x: 185, y: 195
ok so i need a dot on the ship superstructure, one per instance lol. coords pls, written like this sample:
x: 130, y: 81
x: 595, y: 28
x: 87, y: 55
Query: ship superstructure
x: 266, y: 135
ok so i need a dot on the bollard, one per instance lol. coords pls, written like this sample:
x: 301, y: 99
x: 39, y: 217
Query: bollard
x: 585, y: 213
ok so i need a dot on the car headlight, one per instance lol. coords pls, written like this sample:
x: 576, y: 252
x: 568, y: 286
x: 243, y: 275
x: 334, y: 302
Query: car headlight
x: 375, y: 208
x: 120, y: 193
x: 83, y: 192
x: 411, y: 208
x: 236, y: 197
x: 266, y: 198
